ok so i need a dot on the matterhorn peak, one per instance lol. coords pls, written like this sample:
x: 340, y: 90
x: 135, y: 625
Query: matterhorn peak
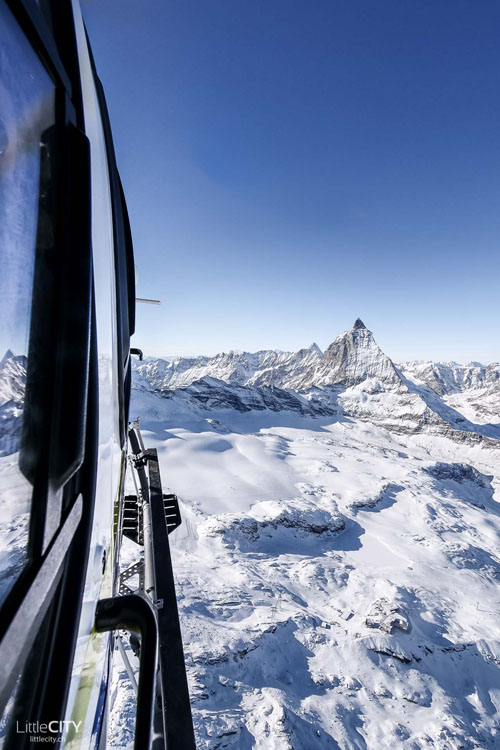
x: 9, y: 354
x: 358, y: 323
x: 315, y: 348
x: 353, y: 357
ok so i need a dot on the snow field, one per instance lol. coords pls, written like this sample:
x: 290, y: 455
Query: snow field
x: 333, y: 593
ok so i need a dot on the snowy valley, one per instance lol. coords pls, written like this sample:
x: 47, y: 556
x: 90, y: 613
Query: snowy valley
x: 338, y: 566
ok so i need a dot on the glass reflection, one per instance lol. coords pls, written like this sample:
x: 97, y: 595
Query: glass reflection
x: 27, y: 112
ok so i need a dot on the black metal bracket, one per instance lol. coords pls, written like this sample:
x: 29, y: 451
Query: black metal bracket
x: 173, y: 712
x: 136, y: 569
x: 177, y: 717
x: 140, y: 460
x: 172, y: 512
x: 132, y: 519
x: 132, y: 612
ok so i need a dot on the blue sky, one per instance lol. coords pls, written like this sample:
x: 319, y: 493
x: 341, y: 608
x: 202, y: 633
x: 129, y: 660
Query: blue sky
x: 290, y: 165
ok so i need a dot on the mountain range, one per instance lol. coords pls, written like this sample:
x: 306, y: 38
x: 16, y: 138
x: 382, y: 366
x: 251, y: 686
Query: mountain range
x: 337, y: 567
x: 353, y: 377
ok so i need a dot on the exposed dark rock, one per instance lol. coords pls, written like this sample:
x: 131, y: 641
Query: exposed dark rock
x: 459, y: 473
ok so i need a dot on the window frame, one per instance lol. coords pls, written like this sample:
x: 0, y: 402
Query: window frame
x: 124, y: 262
x: 60, y: 519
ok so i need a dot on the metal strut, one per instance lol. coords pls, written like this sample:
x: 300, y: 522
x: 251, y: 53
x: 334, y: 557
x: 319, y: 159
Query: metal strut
x: 157, y: 516
x: 137, y: 569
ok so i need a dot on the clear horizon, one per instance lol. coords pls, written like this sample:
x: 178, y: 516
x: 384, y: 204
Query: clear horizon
x: 289, y: 167
x: 396, y: 360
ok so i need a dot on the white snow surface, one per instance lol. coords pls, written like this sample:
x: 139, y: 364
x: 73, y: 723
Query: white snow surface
x: 338, y: 567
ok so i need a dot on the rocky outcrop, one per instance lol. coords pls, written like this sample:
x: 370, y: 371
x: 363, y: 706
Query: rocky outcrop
x: 459, y: 473
x: 210, y: 394
x: 387, y: 616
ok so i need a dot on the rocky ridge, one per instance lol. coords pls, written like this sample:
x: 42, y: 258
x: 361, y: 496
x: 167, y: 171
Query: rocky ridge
x: 353, y: 378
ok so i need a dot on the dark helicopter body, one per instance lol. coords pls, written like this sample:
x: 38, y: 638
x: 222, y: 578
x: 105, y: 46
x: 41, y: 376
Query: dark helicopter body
x: 68, y: 311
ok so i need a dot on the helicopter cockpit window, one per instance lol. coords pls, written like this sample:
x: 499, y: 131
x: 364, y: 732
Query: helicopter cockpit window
x: 27, y: 115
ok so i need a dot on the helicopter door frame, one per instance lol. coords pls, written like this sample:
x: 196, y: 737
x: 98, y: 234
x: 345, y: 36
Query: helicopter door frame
x: 40, y: 615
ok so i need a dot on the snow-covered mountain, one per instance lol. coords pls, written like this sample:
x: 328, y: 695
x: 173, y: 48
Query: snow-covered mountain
x: 12, y: 384
x: 14, y: 495
x: 337, y: 567
x: 351, y: 358
x: 449, y: 377
x: 12, y: 377
x: 352, y: 376
x: 267, y: 367
x: 473, y: 389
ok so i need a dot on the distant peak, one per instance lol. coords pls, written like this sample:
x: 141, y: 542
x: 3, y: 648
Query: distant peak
x: 314, y: 348
x: 9, y: 354
x: 358, y: 323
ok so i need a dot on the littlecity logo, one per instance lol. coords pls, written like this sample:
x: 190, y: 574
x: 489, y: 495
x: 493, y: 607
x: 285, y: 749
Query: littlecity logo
x: 50, y: 731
